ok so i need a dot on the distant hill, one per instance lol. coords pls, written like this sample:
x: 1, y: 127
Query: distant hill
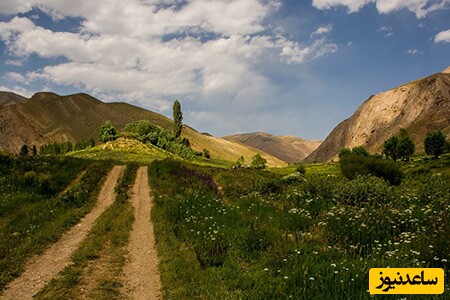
x: 7, y: 98
x: 48, y: 117
x: 290, y: 149
x: 418, y: 106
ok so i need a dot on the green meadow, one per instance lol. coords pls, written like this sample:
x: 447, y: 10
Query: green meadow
x: 224, y: 233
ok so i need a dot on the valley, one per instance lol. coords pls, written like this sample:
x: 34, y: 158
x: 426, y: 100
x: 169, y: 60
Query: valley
x: 115, y: 205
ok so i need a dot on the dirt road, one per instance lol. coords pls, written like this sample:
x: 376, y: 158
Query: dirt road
x: 141, y: 276
x: 42, y: 268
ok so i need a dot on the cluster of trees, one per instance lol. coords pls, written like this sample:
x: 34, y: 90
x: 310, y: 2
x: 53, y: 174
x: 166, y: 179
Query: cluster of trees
x: 56, y: 148
x: 66, y: 147
x: 258, y: 162
x: 149, y: 133
x: 400, y: 146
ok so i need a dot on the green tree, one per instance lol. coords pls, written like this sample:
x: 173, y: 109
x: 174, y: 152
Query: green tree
x: 406, y: 147
x: 435, y: 143
x: 107, y: 132
x: 391, y: 148
x: 344, y: 152
x: 258, y: 162
x: 177, y: 119
x: 240, y: 161
x: 23, y: 150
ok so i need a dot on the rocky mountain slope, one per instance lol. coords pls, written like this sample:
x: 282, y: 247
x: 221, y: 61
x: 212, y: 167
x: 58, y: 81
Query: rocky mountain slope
x: 290, y: 149
x: 48, y: 117
x: 418, y: 106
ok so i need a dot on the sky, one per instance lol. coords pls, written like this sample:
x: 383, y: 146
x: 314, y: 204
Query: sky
x: 286, y: 67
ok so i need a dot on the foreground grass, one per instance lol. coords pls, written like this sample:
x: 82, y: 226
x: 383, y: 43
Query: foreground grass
x: 33, y: 210
x: 108, y: 237
x: 260, y: 236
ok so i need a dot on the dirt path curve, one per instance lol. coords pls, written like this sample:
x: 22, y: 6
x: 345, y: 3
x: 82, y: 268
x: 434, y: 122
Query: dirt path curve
x: 42, y: 268
x: 141, y: 276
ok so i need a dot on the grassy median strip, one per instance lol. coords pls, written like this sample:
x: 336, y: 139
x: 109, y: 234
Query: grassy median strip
x: 109, y: 238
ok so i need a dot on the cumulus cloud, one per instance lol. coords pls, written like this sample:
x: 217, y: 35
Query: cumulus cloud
x: 443, y: 36
x: 419, y: 7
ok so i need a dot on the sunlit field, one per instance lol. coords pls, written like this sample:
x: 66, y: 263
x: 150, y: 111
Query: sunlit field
x: 260, y: 235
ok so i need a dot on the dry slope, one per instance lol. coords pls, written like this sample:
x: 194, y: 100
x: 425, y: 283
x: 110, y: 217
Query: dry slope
x: 290, y: 149
x: 418, y: 106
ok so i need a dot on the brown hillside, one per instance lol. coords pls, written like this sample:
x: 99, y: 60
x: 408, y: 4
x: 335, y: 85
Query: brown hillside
x: 418, y: 106
x: 7, y: 98
x: 290, y: 149
x: 48, y: 117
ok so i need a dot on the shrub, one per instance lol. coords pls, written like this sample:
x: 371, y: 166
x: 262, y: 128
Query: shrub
x: 258, y: 162
x: 354, y: 165
x: 300, y: 169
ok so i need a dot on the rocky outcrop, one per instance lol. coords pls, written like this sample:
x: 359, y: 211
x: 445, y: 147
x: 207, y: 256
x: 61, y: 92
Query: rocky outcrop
x: 418, y: 106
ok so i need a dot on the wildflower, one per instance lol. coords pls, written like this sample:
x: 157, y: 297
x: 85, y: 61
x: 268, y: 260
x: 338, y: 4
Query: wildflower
x: 311, y: 278
x: 266, y: 269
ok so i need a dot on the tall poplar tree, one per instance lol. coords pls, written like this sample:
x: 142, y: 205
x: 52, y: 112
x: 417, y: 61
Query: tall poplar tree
x: 177, y: 119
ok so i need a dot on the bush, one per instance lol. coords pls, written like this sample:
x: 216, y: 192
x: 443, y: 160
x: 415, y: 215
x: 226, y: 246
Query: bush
x: 354, y: 165
x: 300, y: 169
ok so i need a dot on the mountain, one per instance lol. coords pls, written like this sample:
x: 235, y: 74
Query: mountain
x: 48, y: 117
x: 418, y: 106
x: 290, y: 149
x: 7, y: 98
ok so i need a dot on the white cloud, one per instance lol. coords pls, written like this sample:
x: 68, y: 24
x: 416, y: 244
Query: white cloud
x: 419, y: 7
x: 414, y: 51
x: 322, y: 30
x: 209, y: 54
x: 443, y: 36
x: 14, y: 62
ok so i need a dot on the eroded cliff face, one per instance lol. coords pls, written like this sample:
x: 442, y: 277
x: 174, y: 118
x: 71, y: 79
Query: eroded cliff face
x: 418, y: 106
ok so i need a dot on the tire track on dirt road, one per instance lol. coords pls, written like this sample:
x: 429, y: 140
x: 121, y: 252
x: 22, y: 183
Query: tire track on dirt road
x: 141, y: 276
x: 41, y: 269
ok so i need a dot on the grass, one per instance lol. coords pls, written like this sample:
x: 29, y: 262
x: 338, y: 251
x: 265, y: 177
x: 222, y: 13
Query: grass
x: 123, y: 151
x: 33, y: 211
x: 232, y: 234
x: 108, y: 239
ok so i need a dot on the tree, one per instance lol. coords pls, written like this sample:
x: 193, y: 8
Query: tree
x: 34, y: 150
x: 24, y: 151
x: 258, y: 162
x: 240, y: 161
x: 107, y: 132
x: 435, y: 143
x: 177, y: 119
x: 391, y: 148
x: 206, y: 153
x: 406, y: 147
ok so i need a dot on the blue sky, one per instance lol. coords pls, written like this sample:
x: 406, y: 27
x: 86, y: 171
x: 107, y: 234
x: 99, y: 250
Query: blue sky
x: 283, y: 67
